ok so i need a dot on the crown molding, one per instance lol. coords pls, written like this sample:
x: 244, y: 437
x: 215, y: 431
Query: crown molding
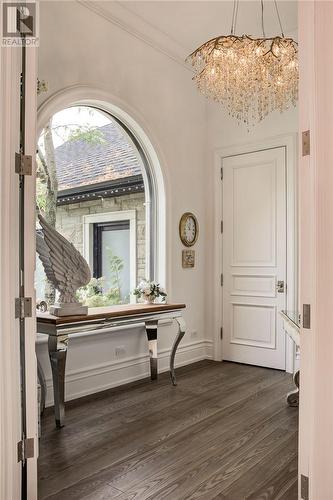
x: 138, y: 28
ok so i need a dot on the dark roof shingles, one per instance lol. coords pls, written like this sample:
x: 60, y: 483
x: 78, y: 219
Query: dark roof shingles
x: 80, y: 163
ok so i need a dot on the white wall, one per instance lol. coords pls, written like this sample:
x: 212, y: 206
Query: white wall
x: 168, y: 107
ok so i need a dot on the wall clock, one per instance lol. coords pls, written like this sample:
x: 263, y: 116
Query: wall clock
x: 188, y: 229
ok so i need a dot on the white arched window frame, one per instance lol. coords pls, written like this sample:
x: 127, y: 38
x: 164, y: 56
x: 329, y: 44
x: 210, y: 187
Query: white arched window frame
x: 151, y: 171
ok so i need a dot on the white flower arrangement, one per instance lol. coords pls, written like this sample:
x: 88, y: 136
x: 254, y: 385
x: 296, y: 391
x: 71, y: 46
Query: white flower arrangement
x: 149, y: 291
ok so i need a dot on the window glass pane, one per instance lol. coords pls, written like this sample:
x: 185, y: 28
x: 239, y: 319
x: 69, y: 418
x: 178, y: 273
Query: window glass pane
x: 39, y: 279
x: 116, y: 261
x: 89, y: 164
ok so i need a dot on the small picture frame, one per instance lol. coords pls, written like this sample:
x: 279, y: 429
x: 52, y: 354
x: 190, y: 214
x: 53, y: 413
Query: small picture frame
x: 188, y: 259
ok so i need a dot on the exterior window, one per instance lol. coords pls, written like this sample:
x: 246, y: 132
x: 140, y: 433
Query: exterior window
x: 110, y: 247
x: 112, y: 256
x: 94, y: 188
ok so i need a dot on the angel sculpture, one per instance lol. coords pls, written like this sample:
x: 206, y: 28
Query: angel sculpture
x: 64, y: 267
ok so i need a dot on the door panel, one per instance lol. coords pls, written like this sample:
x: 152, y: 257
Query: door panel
x: 253, y: 325
x: 253, y: 285
x: 254, y: 257
x: 253, y: 187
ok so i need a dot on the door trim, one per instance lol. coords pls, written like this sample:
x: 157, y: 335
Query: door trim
x: 289, y: 142
x: 10, y: 398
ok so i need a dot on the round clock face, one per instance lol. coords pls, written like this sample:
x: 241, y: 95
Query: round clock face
x: 188, y: 229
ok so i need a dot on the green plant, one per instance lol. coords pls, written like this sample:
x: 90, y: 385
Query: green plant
x: 113, y: 295
x: 91, y: 135
x: 116, y: 265
x: 92, y: 295
x: 41, y: 193
x: 92, y: 289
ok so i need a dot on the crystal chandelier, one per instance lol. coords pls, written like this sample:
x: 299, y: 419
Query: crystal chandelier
x: 250, y: 76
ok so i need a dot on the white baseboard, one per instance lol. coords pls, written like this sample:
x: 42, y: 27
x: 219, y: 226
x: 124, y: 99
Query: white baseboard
x: 96, y: 378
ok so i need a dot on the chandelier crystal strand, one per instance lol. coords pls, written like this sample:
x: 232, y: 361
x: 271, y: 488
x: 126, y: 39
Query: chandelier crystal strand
x: 250, y: 76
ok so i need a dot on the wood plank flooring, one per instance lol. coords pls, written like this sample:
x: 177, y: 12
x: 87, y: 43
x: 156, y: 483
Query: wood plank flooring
x: 225, y: 432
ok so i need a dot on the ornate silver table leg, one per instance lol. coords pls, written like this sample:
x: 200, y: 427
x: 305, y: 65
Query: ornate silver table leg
x: 41, y: 394
x: 42, y: 383
x: 293, y: 396
x: 151, y: 330
x: 180, y: 335
x: 58, y: 354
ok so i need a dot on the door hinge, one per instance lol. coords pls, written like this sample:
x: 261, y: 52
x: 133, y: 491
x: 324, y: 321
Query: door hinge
x: 221, y: 332
x: 25, y: 449
x: 23, y: 164
x: 304, y: 487
x: 306, y: 316
x: 23, y: 307
x: 306, y: 143
x: 221, y: 279
x: 221, y: 226
x: 221, y: 173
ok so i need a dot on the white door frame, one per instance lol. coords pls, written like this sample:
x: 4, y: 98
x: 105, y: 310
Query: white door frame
x: 10, y: 412
x: 10, y: 428
x: 289, y: 142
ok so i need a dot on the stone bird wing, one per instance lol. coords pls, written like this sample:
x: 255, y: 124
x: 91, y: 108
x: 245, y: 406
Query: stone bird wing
x: 68, y: 269
x: 44, y: 255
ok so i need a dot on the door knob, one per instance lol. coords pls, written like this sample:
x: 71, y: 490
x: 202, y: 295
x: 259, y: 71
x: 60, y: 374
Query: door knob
x: 280, y: 287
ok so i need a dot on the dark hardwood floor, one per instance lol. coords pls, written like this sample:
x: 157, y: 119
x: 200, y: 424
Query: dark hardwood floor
x: 225, y: 432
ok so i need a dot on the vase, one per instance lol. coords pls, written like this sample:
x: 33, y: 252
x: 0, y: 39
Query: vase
x: 150, y: 300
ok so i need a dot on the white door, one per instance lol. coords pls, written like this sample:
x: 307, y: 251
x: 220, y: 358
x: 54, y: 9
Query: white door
x: 254, y: 257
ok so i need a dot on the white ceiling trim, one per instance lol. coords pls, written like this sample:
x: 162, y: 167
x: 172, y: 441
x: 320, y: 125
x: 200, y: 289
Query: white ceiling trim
x: 175, y: 53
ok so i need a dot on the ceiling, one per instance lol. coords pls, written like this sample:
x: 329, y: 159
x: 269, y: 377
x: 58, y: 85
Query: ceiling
x: 178, y: 27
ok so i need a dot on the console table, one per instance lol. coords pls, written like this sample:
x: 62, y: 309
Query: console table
x: 292, y: 329
x: 59, y: 330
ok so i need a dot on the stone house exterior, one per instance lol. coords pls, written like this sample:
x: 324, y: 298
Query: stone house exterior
x: 70, y: 221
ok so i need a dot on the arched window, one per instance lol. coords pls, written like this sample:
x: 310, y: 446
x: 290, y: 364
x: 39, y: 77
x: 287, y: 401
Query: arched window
x: 95, y: 187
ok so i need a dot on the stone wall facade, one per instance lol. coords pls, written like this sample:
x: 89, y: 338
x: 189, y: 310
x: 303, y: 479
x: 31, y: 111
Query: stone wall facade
x: 70, y: 222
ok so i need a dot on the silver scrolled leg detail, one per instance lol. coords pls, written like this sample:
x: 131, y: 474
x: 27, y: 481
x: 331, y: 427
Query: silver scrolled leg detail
x: 58, y: 353
x: 180, y: 335
x: 41, y: 394
x: 151, y: 330
x: 43, y: 388
x: 293, y: 397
